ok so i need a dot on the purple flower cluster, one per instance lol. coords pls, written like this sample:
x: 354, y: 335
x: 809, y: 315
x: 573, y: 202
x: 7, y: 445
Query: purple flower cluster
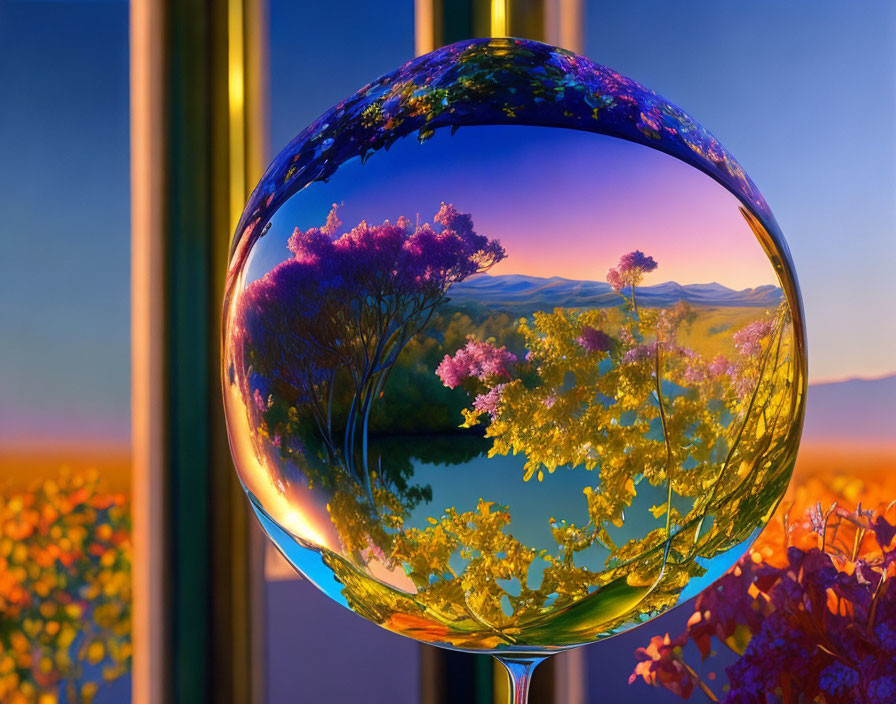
x: 401, y: 257
x: 630, y: 270
x: 475, y: 360
x: 261, y: 404
x: 818, y: 627
x: 636, y: 260
x: 838, y: 679
x: 641, y: 353
x: 592, y: 340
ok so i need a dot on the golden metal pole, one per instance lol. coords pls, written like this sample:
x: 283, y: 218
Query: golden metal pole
x: 564, y: 22
x: 241, y: 620
x: 149, y: 673
x: 424, y: 27
x: 440, y: 22
x: 198, y: 140
x: 500, y: 26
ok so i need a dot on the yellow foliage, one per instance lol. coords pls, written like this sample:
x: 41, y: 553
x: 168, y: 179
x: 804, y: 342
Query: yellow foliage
x: 653, y: 411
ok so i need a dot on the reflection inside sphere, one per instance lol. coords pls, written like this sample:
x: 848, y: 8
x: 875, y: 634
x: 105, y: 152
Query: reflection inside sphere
x: 513, y: 387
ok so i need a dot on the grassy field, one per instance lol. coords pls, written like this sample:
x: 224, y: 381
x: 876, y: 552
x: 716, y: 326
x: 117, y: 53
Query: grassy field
x: 710, y: 333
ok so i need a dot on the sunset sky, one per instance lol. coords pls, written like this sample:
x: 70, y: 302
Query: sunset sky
x: 800, y: 92
x: 563, y: 203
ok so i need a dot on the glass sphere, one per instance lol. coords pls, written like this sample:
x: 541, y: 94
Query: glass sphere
x: 513, y: 352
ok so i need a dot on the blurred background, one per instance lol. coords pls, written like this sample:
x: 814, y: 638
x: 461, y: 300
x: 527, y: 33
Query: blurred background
x: 802, y: 93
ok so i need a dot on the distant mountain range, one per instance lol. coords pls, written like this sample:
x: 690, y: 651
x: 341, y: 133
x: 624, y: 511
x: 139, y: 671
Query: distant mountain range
x: 517, y: 292
x: 857, y: 411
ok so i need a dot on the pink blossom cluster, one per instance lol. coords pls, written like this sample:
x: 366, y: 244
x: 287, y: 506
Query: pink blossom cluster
x: 626, y: 337
x: 666, y: 326
x: 614, y: 278
x: 743, y: 383
x: 698, y: 371
x: 748, y: 340
x: 475, y: 360
x: 592, y: 340
x: 488, y: 402
x: 671, y: 319
x: 719, y: 365
x: 374, y: 551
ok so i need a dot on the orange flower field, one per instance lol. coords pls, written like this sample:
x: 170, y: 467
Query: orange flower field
x: 65, y: 589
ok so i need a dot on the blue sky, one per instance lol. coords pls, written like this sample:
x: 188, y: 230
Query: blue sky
x: 64, y: 194
x: 801, y: 92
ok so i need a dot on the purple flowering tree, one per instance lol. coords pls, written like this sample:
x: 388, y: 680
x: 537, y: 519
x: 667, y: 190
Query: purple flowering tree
x: 629, y: 272
x: 338, y: 313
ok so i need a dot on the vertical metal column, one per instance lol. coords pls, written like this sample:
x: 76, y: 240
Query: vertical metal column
x: 441, y: 22
x: 198, y: 120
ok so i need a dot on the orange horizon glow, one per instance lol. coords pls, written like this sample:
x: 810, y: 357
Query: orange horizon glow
x: 826, y: 459
x: 21, y: 466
